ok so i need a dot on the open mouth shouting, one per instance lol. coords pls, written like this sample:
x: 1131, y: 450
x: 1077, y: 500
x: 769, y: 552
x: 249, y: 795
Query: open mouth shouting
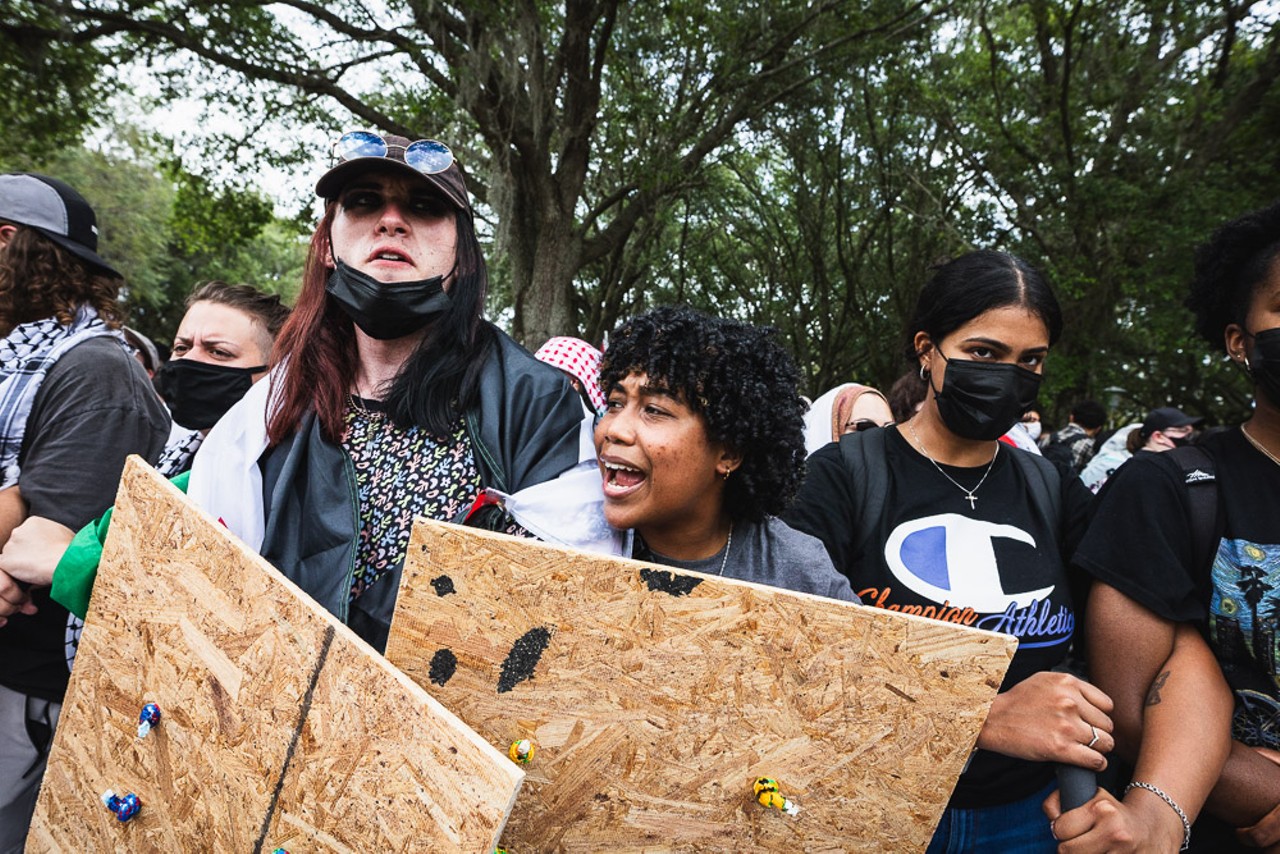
x: 620, y: 479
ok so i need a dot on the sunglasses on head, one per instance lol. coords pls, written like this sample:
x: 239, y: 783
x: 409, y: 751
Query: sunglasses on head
x: 426, y: 155
x: 864, y: 424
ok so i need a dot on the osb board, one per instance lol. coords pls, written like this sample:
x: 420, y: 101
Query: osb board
x: 280, y: 727
x: 659, y: 697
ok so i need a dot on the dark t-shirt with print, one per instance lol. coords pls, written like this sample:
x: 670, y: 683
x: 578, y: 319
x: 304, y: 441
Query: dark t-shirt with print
x: 996, y: 565
x: 1141, y: 544
x: 94, y: 408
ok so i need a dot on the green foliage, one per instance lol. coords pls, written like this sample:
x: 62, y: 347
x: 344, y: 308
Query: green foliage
x: 801, y: 164
x: 167, y: 230
x: 54, y: 85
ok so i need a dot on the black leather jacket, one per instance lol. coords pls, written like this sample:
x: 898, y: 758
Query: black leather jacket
x: 524, y: 431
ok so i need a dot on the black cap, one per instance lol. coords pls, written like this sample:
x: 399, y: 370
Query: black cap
x: 56, y: 211
x: 450, y: 182
x: 1166, y: 417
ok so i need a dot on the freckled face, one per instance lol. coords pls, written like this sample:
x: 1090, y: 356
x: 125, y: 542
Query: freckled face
x: 395, y: 228
x: 660, y: 470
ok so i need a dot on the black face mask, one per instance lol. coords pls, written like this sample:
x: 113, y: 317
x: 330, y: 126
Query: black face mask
x: 199, y: 393
x: 1264, y: 367
x: 386, y: 310
x: 982, y: 400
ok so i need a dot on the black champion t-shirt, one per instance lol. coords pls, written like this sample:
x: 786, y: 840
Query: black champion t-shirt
x: 1141, y: 544
x: 996, y: 565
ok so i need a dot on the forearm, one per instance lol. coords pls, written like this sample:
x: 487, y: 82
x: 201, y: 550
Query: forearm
x: 13, y: 510
x: 1118, y: 623
x: 1186, y: 727
x: 1248, y: 788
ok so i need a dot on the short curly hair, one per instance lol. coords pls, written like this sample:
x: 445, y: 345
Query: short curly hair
x: 1229, y: 268
x: 742, y: 383
x: 39, y: 279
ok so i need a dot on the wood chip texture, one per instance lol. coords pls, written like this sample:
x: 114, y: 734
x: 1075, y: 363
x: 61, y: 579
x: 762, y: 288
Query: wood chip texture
x: 279, y: 727
x: 655, y: 698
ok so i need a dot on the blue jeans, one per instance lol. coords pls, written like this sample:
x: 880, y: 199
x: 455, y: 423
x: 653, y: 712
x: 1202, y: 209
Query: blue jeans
x: 1016, y: 828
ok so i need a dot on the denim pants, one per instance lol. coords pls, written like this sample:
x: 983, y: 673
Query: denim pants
x: 1017, y: 828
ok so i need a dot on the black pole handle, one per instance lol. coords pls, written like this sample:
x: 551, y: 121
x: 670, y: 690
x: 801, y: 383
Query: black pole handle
x: 1076, y: 786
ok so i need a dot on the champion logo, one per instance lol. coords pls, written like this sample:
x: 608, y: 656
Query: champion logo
x: 1199, y: 476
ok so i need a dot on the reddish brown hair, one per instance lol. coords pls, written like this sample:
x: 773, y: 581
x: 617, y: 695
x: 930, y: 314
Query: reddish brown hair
x: 318, y: 341
x: 39, y: 279
x: 441, y: 378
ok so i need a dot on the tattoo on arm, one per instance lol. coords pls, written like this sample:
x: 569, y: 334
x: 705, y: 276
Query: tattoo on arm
x: 1153, y: 696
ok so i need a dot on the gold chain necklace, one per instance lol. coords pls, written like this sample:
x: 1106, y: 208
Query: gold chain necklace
x: 1258, y: 445
x: 970, y: 495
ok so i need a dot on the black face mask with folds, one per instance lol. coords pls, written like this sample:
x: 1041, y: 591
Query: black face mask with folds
x: 982, y: 400
x: 1264, y: 365
x: 199, y: 393
x: 386, y: 310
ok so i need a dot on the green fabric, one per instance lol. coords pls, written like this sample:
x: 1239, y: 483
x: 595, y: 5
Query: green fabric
x: 74, y: 576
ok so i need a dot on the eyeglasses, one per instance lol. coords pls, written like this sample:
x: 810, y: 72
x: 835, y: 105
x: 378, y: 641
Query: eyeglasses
x: 865, y: 424
x: 426, y: 155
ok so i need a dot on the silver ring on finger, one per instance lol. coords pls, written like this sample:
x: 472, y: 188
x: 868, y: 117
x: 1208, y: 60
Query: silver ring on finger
x: 1093, y: 740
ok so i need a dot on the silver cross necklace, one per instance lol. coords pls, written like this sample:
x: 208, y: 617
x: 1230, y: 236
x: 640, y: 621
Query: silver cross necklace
x: 970, y: 495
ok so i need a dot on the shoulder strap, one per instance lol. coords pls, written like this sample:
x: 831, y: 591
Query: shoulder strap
x: 1201, y: 480
x: 1045, y: 483
x: 863, y: 454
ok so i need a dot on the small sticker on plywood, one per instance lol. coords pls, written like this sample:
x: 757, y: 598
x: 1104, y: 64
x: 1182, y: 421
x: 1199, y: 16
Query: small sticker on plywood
x: 657, y: 698
x: 281, y: 728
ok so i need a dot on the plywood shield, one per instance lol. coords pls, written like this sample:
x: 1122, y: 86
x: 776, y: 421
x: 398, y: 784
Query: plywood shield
x: 654, y: 698
x: 279, y: 726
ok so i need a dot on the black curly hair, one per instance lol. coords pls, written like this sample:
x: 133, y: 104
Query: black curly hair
x: 1229, y: 268
x: 739, y: 379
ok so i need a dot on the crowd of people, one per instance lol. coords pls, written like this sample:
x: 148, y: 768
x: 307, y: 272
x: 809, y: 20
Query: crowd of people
x: 1145, y: 614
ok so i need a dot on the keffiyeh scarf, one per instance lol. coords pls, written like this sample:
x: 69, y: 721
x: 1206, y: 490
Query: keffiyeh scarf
x: 26, y: 355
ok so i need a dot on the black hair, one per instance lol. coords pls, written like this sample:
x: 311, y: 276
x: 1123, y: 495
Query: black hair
x: 906, y: 394
x: 1229, y: 268
x: 1089, y: 414
x: 977, y: 282
x: 742, y: 383
x: 442, y: 377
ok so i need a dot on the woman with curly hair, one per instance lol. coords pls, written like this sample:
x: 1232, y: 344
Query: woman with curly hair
x: 937, y: 517
x: 1185, y: 542
x: 701, y: 445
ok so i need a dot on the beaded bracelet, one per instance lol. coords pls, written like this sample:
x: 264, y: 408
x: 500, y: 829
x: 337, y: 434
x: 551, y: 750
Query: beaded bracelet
x: 1186, y: 823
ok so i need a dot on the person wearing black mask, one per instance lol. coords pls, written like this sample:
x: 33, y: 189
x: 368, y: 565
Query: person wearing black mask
x: 222, y: 347
x: 391, y: 388
x: 1193, y: 550
x: 956, y: 525
x: 1163, y: 430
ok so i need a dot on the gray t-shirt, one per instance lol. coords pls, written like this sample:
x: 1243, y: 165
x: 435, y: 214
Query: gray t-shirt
x: 770, y: 553
x: 94, y: 408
